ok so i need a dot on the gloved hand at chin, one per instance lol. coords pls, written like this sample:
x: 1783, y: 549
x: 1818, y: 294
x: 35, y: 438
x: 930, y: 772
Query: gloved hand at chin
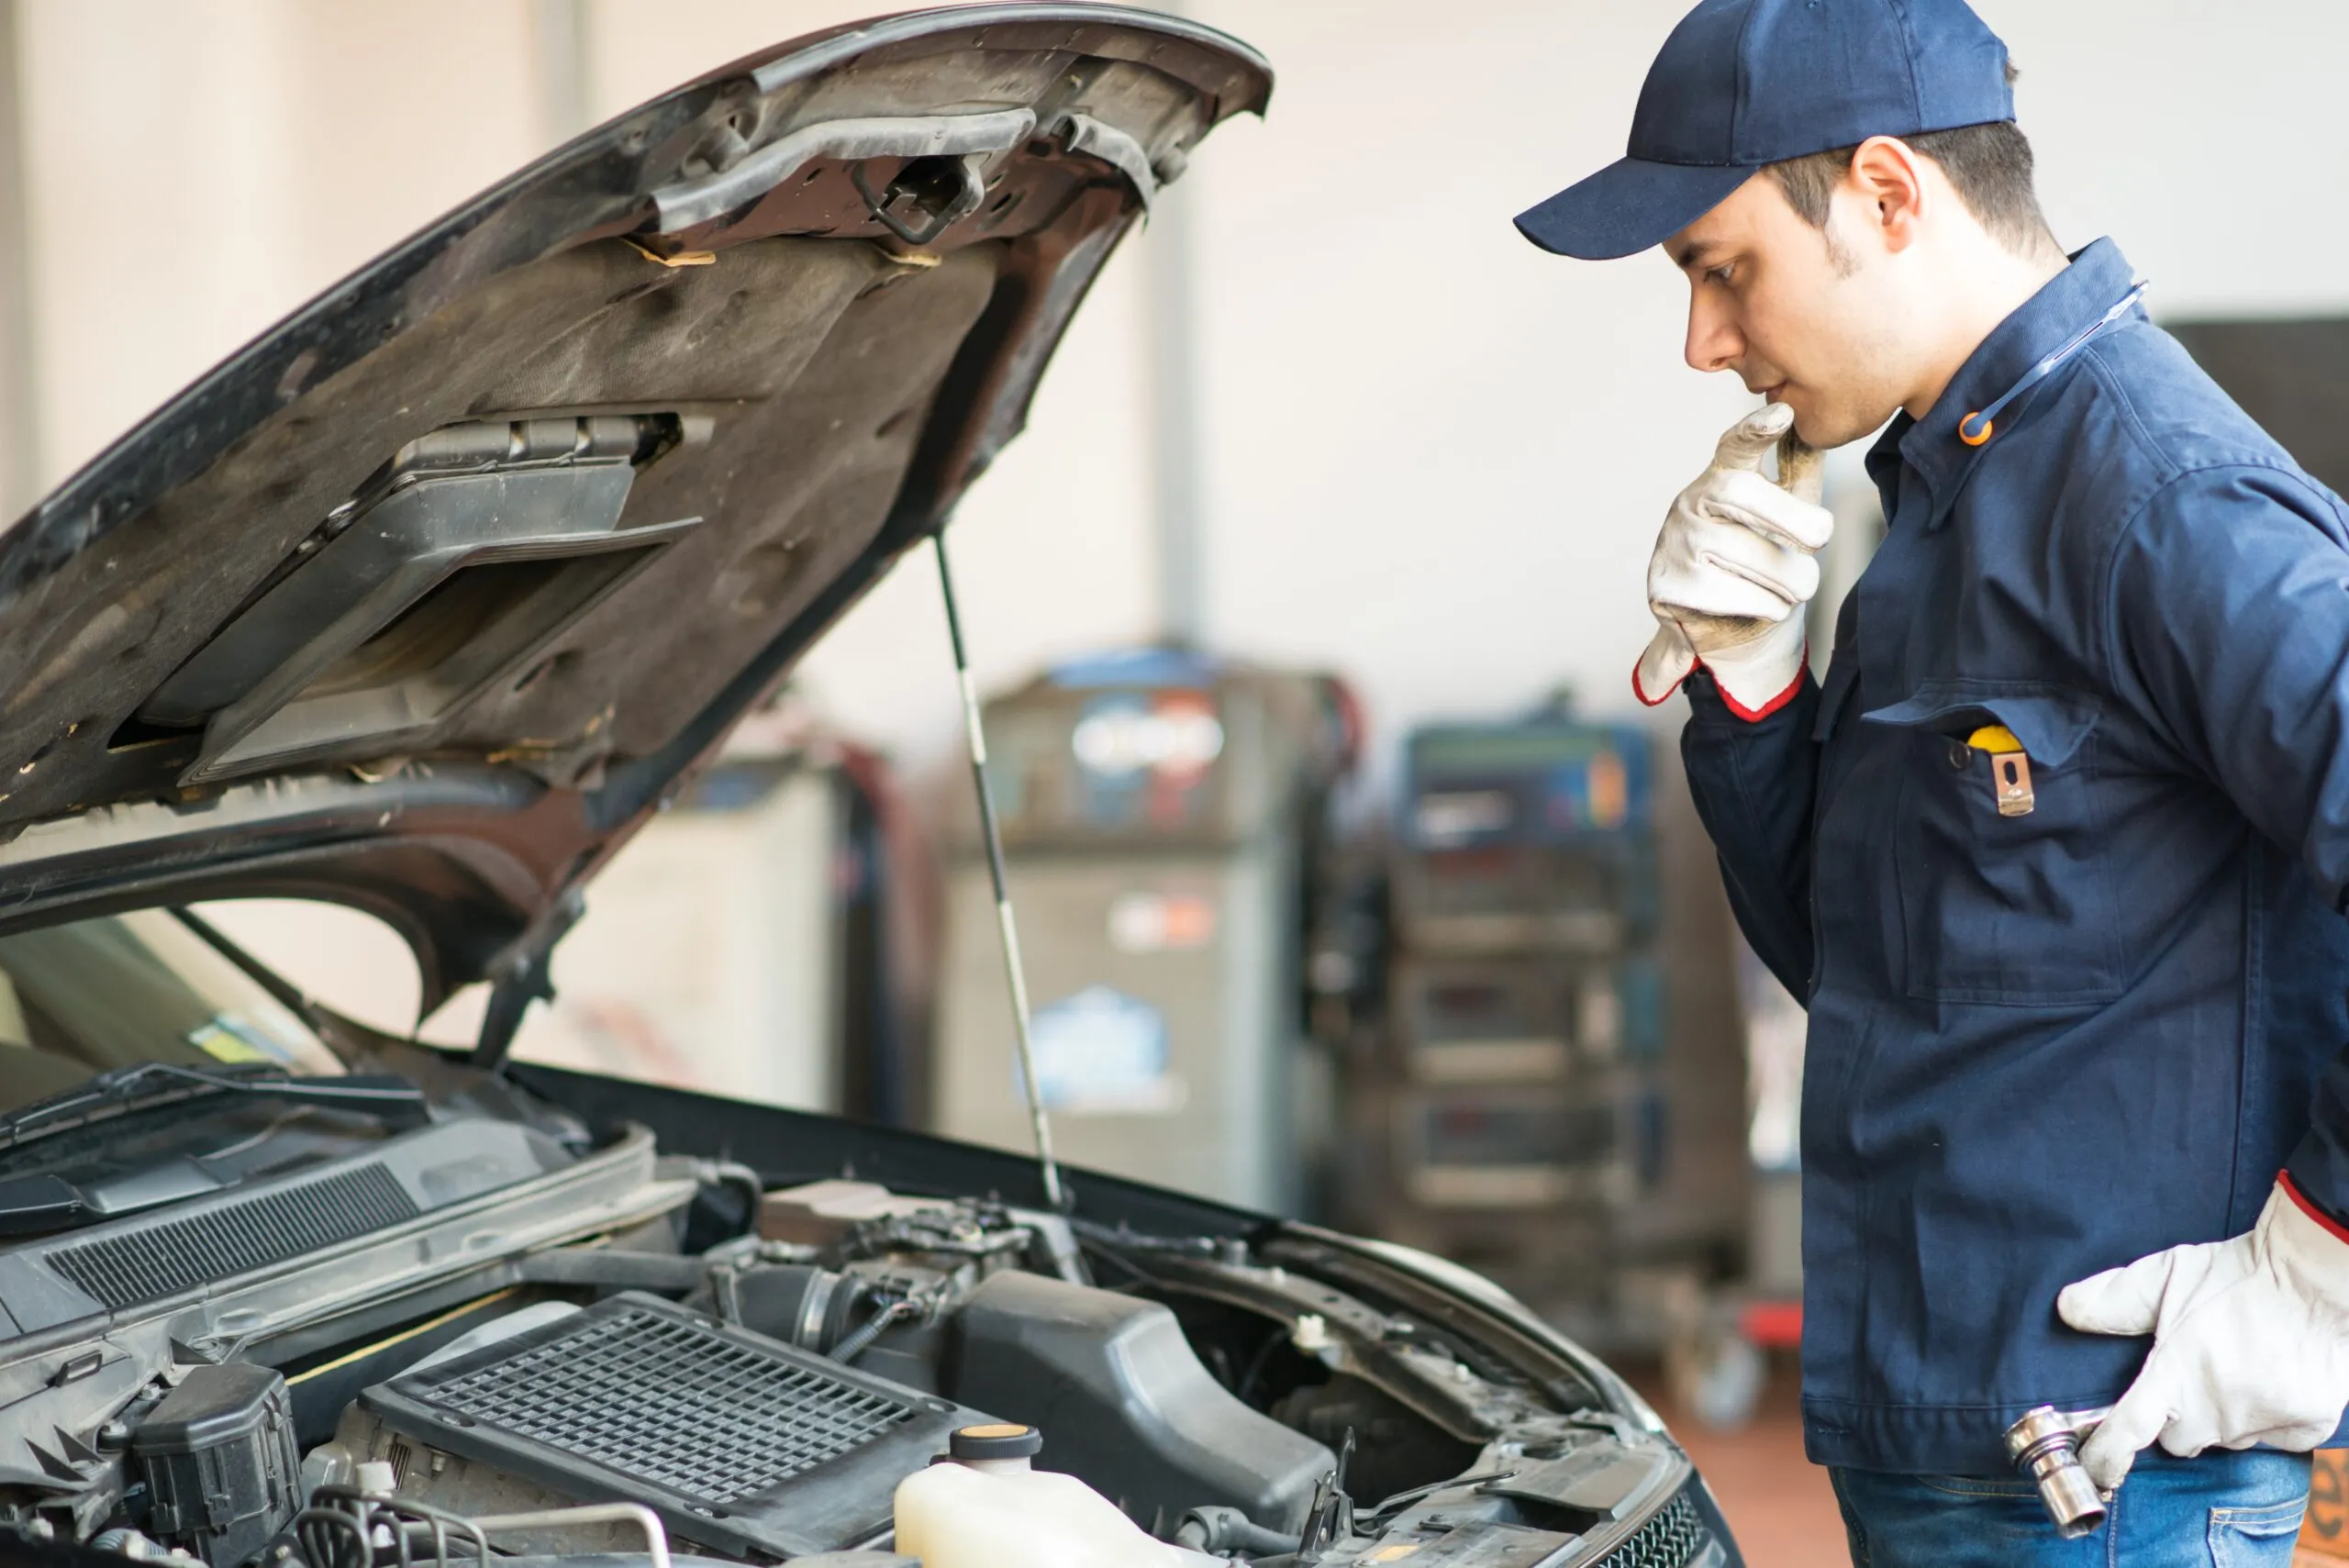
x: 1731, y: 572
x: 2251, y: 1339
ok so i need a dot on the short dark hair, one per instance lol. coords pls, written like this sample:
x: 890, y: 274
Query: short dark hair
x: 1990, y: 164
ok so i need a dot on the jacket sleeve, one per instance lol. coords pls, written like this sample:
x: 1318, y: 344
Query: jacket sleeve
x: 2227, y: 612
x: 1753, y: 783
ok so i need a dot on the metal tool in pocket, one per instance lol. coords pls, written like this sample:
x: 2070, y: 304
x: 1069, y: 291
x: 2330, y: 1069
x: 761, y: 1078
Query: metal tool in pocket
x: 2009, y: 769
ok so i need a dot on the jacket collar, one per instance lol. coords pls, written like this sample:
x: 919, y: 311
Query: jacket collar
x: 2071, y: 300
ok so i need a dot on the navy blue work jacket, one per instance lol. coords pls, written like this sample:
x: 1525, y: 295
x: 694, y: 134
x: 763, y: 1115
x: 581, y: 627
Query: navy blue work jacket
x: 2046, y: 1044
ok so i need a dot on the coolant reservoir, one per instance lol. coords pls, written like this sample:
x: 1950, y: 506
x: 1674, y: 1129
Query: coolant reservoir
x: 982, y: 1507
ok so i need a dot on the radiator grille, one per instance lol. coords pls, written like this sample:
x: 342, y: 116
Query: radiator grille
x: 672, y: 1403
x: 1671, y: 1538
x: 146, y: 1265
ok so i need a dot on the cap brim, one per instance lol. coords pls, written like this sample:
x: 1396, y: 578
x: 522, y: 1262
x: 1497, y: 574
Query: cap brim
x: 1627, y: 207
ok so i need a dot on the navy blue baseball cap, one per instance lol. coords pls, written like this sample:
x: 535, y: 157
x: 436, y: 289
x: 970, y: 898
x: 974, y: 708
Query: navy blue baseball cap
x: 1742, y: 84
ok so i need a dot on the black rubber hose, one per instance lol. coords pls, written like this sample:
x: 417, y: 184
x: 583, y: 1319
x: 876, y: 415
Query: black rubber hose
x: 1217, y: 1529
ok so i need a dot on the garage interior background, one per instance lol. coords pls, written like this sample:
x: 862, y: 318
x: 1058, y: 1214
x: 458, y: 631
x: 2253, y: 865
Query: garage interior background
x: 1328, y: 411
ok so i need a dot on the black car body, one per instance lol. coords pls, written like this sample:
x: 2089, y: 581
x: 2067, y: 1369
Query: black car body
x: 421, y: 605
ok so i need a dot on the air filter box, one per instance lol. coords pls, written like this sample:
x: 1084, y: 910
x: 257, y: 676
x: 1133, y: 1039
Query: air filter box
x: 1125, y: 1405
x: 220, y: 1462
x: 741, y: 1443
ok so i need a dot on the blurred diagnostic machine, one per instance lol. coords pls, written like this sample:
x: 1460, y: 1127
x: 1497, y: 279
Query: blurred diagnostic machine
x: 1160, y: 813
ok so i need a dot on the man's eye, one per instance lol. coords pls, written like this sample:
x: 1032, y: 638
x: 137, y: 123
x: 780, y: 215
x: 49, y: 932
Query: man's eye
x: 1719, y: 274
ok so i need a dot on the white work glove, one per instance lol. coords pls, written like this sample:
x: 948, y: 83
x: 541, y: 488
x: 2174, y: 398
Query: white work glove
x: 2251, y: 1340
x: 1731, y: 572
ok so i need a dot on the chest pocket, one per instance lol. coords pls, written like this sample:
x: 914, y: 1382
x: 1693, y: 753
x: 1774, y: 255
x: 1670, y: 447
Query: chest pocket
x: 2009, y: 911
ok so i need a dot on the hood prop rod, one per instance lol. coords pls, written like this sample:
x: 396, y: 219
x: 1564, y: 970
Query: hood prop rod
x: 1055, y: 1196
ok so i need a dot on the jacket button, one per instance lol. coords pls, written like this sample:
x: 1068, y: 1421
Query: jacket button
x: 1960, y: 754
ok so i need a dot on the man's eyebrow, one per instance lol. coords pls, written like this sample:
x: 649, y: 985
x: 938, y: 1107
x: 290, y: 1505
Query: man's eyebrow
x: 1692, y: 253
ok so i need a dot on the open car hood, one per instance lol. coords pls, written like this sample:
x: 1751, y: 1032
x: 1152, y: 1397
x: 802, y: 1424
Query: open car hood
x: 428, y: 597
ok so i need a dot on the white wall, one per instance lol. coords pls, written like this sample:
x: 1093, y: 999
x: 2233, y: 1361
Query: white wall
x: 2209, y: 140
x: 1435, y: 456
x: 194, y: 168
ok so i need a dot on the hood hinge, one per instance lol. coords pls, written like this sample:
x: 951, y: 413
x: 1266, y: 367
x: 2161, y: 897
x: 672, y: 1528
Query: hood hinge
x: 523, y: 973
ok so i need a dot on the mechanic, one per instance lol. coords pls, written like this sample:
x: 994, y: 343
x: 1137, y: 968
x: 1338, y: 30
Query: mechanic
x: 2056, y: 854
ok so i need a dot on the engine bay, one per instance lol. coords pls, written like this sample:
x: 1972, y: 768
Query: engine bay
x: 497, y: 1334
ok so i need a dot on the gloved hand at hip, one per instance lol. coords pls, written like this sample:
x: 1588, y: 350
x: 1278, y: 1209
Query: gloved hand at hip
x: 1731, y: 572
x: 2251, y: 1339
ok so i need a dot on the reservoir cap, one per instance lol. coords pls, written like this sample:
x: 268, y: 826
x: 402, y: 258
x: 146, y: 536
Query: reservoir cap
x: 1000, y: 1439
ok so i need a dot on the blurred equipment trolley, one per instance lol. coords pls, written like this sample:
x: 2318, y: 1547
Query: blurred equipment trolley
x: 1531, y: 1088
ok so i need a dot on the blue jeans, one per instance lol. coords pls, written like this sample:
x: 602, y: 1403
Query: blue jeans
x: 2222, y: 1510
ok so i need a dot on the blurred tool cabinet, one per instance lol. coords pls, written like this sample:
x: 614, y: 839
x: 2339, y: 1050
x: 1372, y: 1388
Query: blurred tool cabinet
x: 1499, y: 1017
x: 1530, y: 1084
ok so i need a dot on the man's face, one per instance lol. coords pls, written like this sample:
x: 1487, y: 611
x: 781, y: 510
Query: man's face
x: 1812, y: 320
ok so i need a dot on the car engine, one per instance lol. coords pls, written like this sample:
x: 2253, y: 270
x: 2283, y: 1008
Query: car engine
x: 483, y: 1337
x: 778, y: 1403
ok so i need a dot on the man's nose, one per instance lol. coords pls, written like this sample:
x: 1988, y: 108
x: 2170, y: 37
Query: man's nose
x: 1714, y: 341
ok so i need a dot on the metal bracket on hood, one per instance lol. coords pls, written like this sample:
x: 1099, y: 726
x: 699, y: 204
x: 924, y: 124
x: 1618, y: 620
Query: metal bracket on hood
x: 1083, y: 133
x: 690, y: 201
x: 469, y: 552
x: 918, y: 186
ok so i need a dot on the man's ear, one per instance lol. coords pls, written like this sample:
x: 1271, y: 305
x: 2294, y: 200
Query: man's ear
x: 1887, y: 177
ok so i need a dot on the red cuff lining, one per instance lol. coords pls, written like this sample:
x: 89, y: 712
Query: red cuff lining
x: 1653, y: 701
x: 2301, y: 1201
x: 1755, y: 714
x: 1751, y: 715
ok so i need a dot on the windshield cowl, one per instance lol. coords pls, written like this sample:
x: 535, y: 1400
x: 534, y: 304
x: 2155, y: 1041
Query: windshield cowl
x: 140, y: 1138
x: 147, y: 1084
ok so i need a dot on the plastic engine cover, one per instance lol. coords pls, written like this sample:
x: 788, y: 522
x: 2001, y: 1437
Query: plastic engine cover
x: 221, y: 1464
x: 1124, y: 1403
